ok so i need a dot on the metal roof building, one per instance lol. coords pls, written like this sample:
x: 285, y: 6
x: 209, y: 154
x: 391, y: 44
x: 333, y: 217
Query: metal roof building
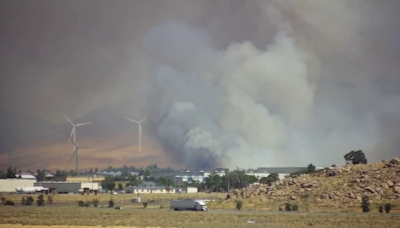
x: 71, y: 187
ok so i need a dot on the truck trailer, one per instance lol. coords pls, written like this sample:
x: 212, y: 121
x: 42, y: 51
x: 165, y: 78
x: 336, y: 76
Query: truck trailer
x: 188, y: 204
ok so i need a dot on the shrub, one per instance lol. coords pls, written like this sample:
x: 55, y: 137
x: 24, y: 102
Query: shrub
x: 95, y: 202
x: 380, y: 209
x: 81, y: 203
x: 9, y: 203
x: 295, y: 207
x: 288, y: 207
x: 145, y: 204
x: 3, y: 200
x: 49, y: 200
x: 23, y: 201
x: 40, y: 200
x: 365, y: 204
x: 388, y: 207
x: 239, y: 205
x: 29, y: 201
x: 111, y: 203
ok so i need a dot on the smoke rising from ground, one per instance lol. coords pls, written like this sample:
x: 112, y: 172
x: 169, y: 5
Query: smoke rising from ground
x: 220, y: 107
x: 226, y: 83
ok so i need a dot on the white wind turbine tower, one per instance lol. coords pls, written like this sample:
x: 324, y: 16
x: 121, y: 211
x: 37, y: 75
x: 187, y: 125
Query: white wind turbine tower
x: 72, y: 138
x: 140, y: 128
x: 76, y: 155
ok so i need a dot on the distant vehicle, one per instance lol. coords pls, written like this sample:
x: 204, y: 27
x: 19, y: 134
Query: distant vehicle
x: 188, y: 204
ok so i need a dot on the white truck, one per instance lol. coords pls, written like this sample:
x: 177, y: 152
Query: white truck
x: 188, y: 204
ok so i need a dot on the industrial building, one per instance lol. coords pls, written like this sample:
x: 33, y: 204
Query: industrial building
x: 70, y: 187
x: 10, y: 185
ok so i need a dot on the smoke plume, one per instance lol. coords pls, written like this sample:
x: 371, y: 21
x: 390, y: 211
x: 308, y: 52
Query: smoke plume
x: 225, y: 83
x: 220, y: 107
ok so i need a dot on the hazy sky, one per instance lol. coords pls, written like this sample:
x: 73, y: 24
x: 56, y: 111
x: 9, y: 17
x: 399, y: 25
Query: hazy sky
x: 232, y: 80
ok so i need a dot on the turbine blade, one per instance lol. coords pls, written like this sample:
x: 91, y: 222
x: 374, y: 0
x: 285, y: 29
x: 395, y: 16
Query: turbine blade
x: 72, y: 133
x: 82, y: 124
x: 69, y: 120
x: 143, y: 119
x: 131, y: 120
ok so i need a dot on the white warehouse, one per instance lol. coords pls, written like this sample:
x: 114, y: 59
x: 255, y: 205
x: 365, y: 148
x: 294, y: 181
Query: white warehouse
x: 10, y: 185
x: 68, y: 186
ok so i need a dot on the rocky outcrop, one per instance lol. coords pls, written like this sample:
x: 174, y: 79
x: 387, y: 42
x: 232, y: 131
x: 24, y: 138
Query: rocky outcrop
x: 342, y: 185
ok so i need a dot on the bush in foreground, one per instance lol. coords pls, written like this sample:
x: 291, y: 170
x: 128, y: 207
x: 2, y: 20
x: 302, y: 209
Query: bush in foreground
x: 81, y: 203
x: 388, y: 208
x: 9, y: 203
x: 111, y: 203
x: 239, y: 205
x: 95, y: 202
x: 288, y: 207
x: 145, y: 204
x: 40, y: 200
x: 365, y: 204
x: 295, y: 207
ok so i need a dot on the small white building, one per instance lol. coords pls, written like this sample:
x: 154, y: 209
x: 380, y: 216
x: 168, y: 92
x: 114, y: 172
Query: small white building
x: 70, y: 187
x: 160, y: 190
x: 150, y: 190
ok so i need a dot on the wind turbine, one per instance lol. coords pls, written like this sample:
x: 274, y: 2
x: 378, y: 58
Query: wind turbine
x: 72, y: 139
x: 140, y: 128
x: 76, y: 155
x: 73, y: 132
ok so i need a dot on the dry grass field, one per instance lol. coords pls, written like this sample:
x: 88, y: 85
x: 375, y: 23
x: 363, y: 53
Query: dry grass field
x: 218, y: 202
x: 160, y: 217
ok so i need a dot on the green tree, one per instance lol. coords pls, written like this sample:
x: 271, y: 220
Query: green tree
x: 96, y: 170
x: 274, y: 176
x: 380, y: 209
x: 109, y: 183
x: 120, y: 186
x: 3, y: 175
x: 356, y: 157
x: 311, y: 168
x: 134, y: 180
x: 253, y: 179
x: 40, y: 175
x: 91, y: 170
x: 11, y: 172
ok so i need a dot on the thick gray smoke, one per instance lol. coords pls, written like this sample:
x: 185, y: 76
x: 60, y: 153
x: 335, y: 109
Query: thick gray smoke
x: 225, y: 83
x: 225, y: 107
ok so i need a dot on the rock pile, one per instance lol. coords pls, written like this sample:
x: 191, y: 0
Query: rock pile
x: 345, y: 185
